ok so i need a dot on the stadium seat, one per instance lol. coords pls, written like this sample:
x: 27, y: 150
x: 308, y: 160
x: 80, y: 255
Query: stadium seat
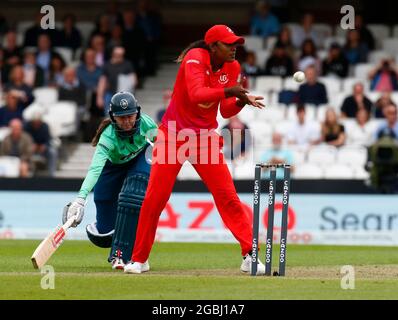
x: 329, y: 40
x: 361, y: 174
x: 395, y: 31
x: 338, y: 171
x: 322, y: 54
x: 354, y: 156
x: 244, y: 171
x: 268, y: 83
x: 4, y: 131
x: 270, y: 43
x: 262, y: 57
x: 66, y: 54
x: 45, y: 96
x: 272, y: 113
x: 322, y: 154
x: 22, y: 26
x: 126, y: 82
x: 62, y: 118
x: 377, y: 55
x: 299, y: 155
x: 307, y: 171
x: 310, y: 111
x: 321, y: 112
x: 85, y: 28
x: 390, y: 45
x: 348, y: 84
x: 323, y: 29
x: 9, y: 167
x: 339, y: 31
x: 333, y: 85
x: 379, y: 32
x: 361, y: 70
x: 291, y: 84
x: 254, y: 43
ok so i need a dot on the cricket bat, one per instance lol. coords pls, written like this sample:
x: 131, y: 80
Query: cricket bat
x: 50, y: 244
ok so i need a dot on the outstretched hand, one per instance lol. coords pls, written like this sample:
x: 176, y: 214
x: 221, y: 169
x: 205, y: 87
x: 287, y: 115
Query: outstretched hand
x: 252, y: 100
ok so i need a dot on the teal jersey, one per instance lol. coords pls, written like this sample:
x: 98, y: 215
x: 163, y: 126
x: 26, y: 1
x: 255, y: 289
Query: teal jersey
x: 117, y: 150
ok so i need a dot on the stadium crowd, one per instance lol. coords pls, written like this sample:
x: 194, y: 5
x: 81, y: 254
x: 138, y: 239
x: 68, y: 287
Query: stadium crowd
x: 348, y: 99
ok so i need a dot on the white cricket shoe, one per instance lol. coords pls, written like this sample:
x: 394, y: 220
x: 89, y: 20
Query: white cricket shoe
x: 246, y: 265
x: 117, y: 264
x: 136, y: 267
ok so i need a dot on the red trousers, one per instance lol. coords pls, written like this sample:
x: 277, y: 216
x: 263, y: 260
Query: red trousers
x: 216, y: 177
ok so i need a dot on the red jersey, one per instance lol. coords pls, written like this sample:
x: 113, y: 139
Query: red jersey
x: 198, y: 91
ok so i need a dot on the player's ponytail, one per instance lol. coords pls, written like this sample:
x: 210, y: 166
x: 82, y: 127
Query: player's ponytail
x: 197, y: 44
x: 101, y: 128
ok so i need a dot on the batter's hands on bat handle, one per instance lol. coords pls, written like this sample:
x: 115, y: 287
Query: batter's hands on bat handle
x: 74, y: 208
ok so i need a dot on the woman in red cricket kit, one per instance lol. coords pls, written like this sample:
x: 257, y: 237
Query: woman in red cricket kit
x: 207, y: 78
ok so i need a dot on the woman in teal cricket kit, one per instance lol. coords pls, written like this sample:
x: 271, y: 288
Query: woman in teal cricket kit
x: 119, y: 174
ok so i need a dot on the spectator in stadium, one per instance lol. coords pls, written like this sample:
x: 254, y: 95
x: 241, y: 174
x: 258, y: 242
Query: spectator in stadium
x: 381, y: 103
x: 332, y: 132
x: 390, y: 126
x: 33, y: 74
x: 133, y: 34
x: 102, y: 27
x: 33, y: 33
x: 302, y: 133
x: 335, y: 64
x: 42, y: 147
x: 355, y: 102
x: 70, y: 89
x: 109, y: 81
x: 277, y: 154
x: 88, y: 74
x: 11, y: 56
x: 56, y: 72
x: 285, y: 38
x: 69, y: 35
x: 19, y: 87
x: 384, y: 77
x: 45, y: 54
x: 12, y: 108
x: 12, y: 52
x: 309, y: 56
x: 249, y: 66
x: 279, y: 63
x: 113, y: 12
x: 365, y: 34
x: 264, y: 23
x: 97, y: 43
x: 361, y: 131
x: 116, y: 39
x: 355, y: 50
x: 237, y: 138
x: 306, y: 31
x: 313, y: 91
x: 149, y: 20
x: 18, y: 144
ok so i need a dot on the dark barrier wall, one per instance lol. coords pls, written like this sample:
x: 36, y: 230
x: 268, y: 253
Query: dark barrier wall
x: 242, y: 186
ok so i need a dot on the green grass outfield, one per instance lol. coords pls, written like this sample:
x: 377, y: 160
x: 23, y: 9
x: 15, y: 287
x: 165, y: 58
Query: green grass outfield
x: 199, y: 271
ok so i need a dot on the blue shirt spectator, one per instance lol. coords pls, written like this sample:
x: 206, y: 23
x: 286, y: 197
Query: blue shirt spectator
x: 12, y: 109
x: 277, y: 155
x: 312, y: 91
x: 264, y: 23
x: 88, y: 72
x: 390, y: 127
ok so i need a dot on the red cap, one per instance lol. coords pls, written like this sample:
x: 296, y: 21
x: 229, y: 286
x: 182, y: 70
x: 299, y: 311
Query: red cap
x: 222, y: 33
